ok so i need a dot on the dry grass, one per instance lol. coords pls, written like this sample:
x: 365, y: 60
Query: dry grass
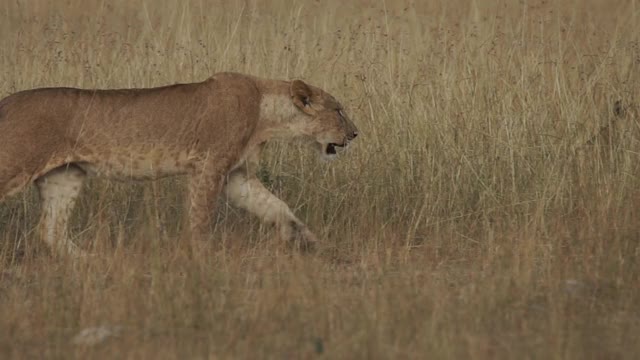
x: 466, y: 223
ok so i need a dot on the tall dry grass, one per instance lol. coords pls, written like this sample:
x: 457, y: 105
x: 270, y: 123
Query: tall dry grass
x: 467, y: 221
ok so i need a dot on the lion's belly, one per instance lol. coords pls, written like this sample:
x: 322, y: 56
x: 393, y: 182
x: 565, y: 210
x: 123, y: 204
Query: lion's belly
x: 136, y: 164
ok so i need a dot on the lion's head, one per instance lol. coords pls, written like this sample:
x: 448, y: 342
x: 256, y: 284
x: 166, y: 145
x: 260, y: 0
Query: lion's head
x: 326, y: 122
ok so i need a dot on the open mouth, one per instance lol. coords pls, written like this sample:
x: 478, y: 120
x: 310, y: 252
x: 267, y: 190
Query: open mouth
x: 331, y: 148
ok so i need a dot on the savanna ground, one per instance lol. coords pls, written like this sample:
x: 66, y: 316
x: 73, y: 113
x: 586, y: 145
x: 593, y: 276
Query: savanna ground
x: 476, y: 217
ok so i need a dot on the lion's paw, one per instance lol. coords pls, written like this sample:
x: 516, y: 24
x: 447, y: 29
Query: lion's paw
x: 299, y: 237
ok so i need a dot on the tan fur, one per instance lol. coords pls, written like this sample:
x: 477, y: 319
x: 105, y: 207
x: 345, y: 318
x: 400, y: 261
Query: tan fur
x: 212, y: 131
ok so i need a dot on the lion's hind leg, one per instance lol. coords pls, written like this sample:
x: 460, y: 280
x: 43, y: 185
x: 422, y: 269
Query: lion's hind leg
x: 59, y: 189
x: 14, y: 176
x: 10, y: 185
x: 25, y: 152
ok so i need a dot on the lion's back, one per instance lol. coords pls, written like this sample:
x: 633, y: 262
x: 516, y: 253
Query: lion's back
x: 223, y: 109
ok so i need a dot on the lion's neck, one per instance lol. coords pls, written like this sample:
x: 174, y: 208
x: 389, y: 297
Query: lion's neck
x: 279, y: 118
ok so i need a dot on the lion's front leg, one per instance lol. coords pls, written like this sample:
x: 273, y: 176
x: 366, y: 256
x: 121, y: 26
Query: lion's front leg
x: 247, y: 192
x: 205, y: 186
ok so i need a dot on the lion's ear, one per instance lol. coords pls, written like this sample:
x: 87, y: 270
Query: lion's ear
x: 301, y: 96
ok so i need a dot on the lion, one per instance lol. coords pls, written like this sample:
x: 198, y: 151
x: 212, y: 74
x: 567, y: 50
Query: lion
x: 212, y: 131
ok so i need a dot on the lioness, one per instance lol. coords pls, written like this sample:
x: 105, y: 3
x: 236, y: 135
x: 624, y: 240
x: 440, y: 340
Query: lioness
x: 212, y: 131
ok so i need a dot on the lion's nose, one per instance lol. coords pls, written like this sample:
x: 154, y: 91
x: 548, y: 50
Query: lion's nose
x: 353, y: 135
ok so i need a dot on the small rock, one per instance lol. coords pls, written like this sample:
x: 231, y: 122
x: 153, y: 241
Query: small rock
x: 96, y: 335
x: 574, y: 287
